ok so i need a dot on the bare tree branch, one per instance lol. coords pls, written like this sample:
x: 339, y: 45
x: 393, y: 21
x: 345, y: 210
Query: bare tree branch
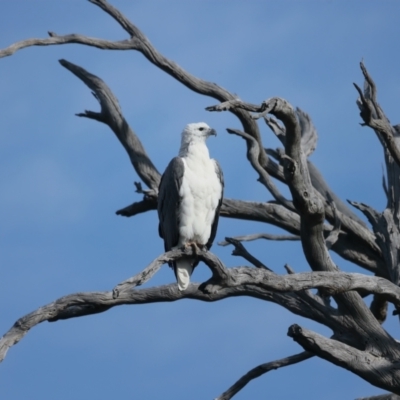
x: 55, y: 39
x: 359, y: 343
x: 111, y: 115
x: 373, y: 116
x: 392, y: 188
x: 312, y: 216
x: 261, y: 370
x: 308, y: 134
x: 81, y: 304
x: 350, y: 247
x: 139, y: 42
x: 322, y: 187
x: 138, y: 208
x: 387, y: 236
x: 349, y: 223
x: 241, y: 281
x: 375, y: 369
x: 253, y: 152
x: 266, y: 236
x: 332, y: 282
x: 219, y: 272
x: 312, y: 212
x: 368, y: 260
x: 197, y: 85
x: 241, y: 251
x: 385, y: 224
x: 334, y: 233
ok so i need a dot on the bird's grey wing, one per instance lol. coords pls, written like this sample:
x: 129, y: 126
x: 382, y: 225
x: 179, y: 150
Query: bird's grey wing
x: 214, y: 226
x: 168, y: 203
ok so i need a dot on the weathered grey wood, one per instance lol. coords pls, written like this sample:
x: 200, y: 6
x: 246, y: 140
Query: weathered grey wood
x: 379, y: 371
x: 261, y: 370
x: 333, y: 236
x: 323, y: 188
x: 350, y: 247
x: 241, y: 251
x: 379, y: 307
x: 266, y: 236
x: 240, y: 281
x: 111, y: 115
x: 386, y: 225
x: 387, y: 236
x: 348, y: 221
x: 253, y: 152
x: 363, y: 258
x: 80, y: 304
x: 55, y: 39
x: 308, y: 142
x: 359, y: 343
x: 373, y: 116
x: 147, y: 204
x: 312, y: 212
x: 309, y: 136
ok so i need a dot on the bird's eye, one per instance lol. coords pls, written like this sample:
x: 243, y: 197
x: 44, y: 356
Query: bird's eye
x: 201, y: 129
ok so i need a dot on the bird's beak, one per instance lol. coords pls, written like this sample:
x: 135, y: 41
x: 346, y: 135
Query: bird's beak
x: 212, y: 132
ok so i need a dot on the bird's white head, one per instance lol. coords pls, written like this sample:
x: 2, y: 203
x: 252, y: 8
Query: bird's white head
x: 196, y: 132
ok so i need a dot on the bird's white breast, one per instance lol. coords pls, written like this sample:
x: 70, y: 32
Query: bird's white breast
x: 200, y: 193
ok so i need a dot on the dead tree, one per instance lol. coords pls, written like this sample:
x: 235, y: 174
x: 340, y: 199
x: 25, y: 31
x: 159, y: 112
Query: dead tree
x: 313, y: 214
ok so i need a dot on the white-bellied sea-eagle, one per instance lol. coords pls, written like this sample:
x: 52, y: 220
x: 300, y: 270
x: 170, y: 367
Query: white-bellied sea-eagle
x: 189, y: 199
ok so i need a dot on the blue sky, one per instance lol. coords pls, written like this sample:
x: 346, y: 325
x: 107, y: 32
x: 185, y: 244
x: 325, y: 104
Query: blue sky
x: 63, y: 177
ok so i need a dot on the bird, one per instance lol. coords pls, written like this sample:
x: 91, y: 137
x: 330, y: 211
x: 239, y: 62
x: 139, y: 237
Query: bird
x: 189, y: 199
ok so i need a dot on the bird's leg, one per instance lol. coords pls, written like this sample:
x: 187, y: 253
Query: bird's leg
x: 184, y: 246
x: 194, y: 246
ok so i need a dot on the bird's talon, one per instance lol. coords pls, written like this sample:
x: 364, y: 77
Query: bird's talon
x: 194, y: 247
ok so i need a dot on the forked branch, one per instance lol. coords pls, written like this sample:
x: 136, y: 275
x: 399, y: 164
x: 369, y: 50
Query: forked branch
x: 379, y: 371
x: 358, y: 336
x: 240, y: 281
x: 360, y: 249
x: 111, y: 115
x: 282, y: 109
x: 241, y: 251
x: 253, y: 152
x: 139, y: 42
x: 373, y: 115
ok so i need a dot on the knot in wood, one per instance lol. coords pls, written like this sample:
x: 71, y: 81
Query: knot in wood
x: 294, y: 330
x: 290, y: 167
x: 314, y: 207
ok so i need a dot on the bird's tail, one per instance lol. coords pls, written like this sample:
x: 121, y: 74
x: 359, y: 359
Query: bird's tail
x: 183, y: 271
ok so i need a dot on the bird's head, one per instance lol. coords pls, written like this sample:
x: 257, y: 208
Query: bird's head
x: 198, y: 131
